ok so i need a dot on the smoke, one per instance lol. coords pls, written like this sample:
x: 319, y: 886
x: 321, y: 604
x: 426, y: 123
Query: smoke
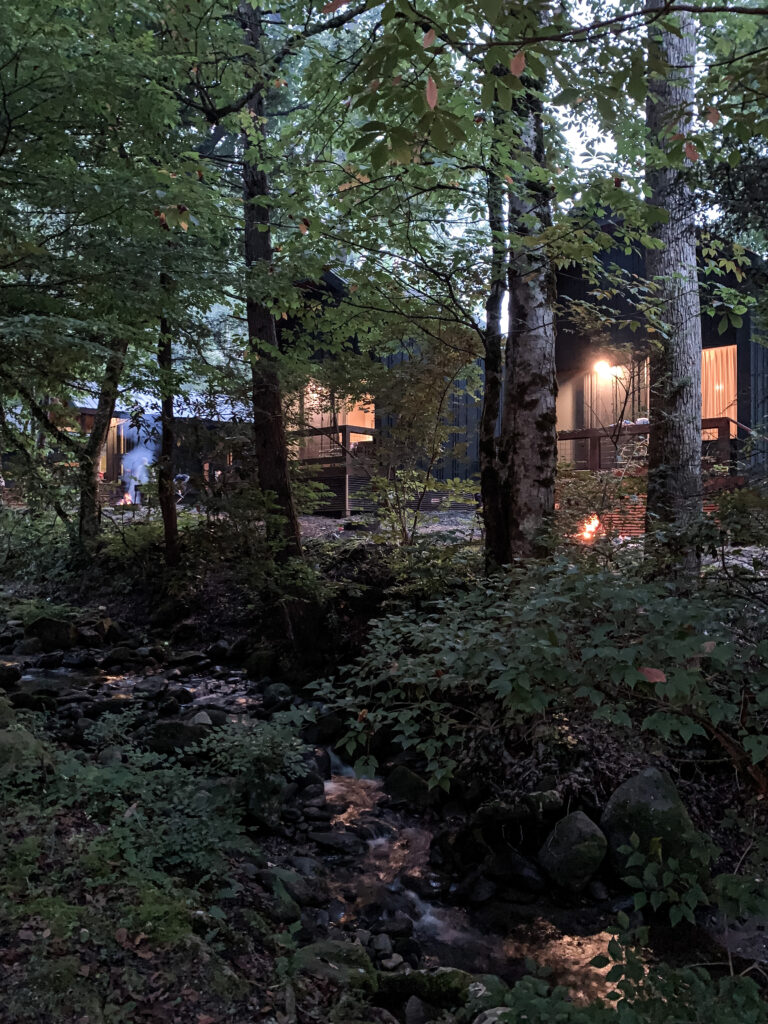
x: 137, y: 463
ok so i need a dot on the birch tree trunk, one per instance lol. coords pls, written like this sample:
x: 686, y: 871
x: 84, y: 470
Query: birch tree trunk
x: 270, y: 444
x: 89, y: 519
x: 526, y: 452
x: 674, y: 453
x: 496, y: 534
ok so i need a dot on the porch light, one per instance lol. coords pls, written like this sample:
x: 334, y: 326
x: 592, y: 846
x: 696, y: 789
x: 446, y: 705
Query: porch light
x: 604, y: 370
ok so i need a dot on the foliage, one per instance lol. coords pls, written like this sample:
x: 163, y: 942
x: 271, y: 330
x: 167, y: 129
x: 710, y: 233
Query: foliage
x: 453, y: 682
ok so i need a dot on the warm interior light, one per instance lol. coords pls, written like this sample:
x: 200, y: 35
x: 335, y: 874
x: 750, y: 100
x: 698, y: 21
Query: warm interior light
x: 604, y: 369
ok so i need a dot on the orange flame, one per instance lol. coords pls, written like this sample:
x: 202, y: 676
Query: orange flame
x: 589, y: 529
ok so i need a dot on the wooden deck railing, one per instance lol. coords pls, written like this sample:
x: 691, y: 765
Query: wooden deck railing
x: 718, y: 443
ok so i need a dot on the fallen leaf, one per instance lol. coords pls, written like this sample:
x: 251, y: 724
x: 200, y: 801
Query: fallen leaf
x: 653, y: 675
x: 431, y: 91
x: 517, y: 64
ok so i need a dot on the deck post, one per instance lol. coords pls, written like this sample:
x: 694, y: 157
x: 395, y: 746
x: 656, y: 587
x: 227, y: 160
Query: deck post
x: 594, y: 453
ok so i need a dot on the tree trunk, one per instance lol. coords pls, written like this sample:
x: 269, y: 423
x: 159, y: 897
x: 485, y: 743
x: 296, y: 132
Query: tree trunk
x: 674, y: 451
x: 90, y: 510
x: 270, y: 445
x: 165, y: 489
x: 496, y: 535
x: 526, y: 452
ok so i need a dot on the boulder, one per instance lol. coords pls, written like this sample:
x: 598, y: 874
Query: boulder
x: 119, y: 656
x: 53, y: 634
x: 573, y: 851
x: 498, y: 1015
x: 649, y: 805
x: 151, y: 688
x: 10, y: 673
x: 345, y: 964
x: 168, y: 735
x: 19, y: 747
x: 277, y: 697
x: 407, y: 787
x: 339, y: 842
x: 29, y: 645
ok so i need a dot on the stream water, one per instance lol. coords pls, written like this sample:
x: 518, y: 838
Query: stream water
x: 396, y: 874
x: 393, y: 879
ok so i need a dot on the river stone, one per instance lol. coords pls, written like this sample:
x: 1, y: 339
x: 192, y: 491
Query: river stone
x: 52, y: 633
x: 573, y: 851
x: 151, y: 687
x: 9, y: 673
x: 339, y: 842
x: 345, y: 964
x: 648, y: 804
x: 119, y: 656
x: 29, y: 645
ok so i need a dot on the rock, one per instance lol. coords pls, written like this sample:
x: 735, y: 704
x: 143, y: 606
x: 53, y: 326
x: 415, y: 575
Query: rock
x: 392, y: 962
x: 573, y: 851
x: 346, y: 964
x: 545, y: 803
x: 648, y: 804
x: 53, y: 634
x: 19, y: 747
x: 78, y: 660
x: 746, y: 939
x: 10, y: 673
x: 382, y: 945
x: 166, y: 736
x: 398, y: 926
x: 180, y: 693
x: 407, y: 787
x: 110, y: 755
x: 444, y: 988
x: 169, y: 611
x: 306, y: 893
x: 151, y: 687
x: 512, y: 868
x: 498, y: 1015
x: 339, y: 842
x: 218, y: 652
x: 326, y: 730
x: 51, y: 661
x: 184, y: 659
x: 110, y: 631
x: 277, y: 697
x: 259, y: 663
x: 201, y: 718
x: 29, y: 645
x: 119, y: 656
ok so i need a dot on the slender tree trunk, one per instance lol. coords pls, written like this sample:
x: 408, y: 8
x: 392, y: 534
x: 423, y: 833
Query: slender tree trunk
x: 526, y: 451
x: 90, y: 510
x: 165, y: 489
x: 270, y: 444
x: 496, y: 535
x: 674, y: 451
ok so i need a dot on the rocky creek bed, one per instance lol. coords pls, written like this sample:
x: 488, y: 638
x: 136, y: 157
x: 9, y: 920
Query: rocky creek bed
x: 416, y: 905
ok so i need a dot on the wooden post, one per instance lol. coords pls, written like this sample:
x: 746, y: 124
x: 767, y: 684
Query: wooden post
x: 594, y: 453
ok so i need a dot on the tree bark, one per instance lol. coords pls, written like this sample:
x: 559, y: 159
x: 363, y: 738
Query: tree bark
x: 496, y: 535
x: 165, y: 490
x: 89, y: 519
x: 270, y: 447
x: 522, y: 483
x: 674, y: 450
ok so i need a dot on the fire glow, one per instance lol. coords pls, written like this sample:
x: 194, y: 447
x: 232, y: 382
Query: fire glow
x: 589, y: 529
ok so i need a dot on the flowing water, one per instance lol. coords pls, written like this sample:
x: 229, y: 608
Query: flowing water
x: 395, y: 874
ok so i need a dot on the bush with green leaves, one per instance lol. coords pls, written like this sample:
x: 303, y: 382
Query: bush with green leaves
x: 453, y: 682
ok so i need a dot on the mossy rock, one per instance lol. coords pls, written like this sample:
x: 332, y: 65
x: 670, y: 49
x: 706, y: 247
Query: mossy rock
x: 10, y: 673
x: 573, y: 851
x: 54, y: 634
x: 444, y: 988
x: 345, y: 964
x: 19, y: 747
x: 649, y: 805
